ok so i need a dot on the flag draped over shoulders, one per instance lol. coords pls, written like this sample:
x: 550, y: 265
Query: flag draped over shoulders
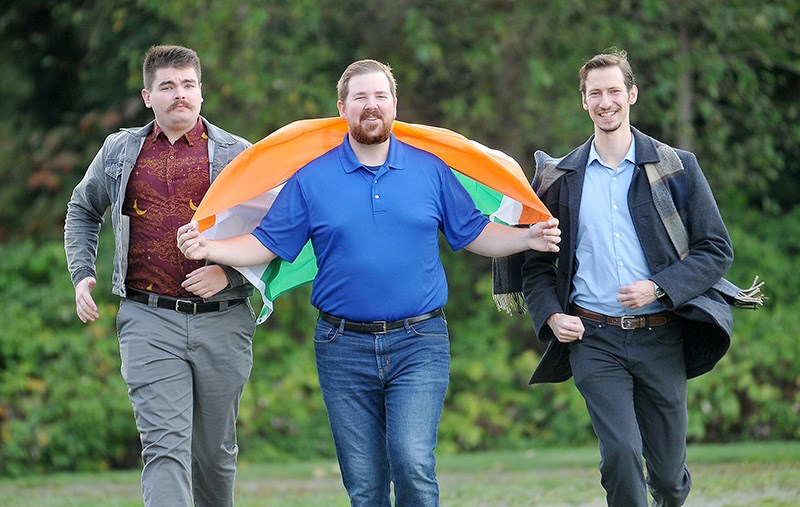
x: 243, y: 192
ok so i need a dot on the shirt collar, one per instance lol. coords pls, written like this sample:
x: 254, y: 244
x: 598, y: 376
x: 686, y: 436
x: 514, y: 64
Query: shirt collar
x: 195, y: 134
x: 395, y: 159
x: 630, y: 156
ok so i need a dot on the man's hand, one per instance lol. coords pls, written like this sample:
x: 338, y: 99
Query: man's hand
x: 206, y: 281
x: 544, y: 236
x: 567, y: 328
x: 191, y: 242
x: 84, y: 304
x: 637, y: 294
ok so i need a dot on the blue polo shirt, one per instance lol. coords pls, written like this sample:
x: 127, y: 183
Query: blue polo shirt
x: 375, y: 234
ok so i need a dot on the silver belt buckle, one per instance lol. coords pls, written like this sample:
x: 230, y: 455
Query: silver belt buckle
x: 627, y: 321
x: 179, y: 301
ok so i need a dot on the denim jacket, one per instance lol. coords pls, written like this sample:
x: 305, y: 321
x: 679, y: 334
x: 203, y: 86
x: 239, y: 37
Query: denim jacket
x: 104, y: 186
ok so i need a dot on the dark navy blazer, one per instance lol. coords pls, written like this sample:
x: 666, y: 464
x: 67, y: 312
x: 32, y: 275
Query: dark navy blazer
x: 547, y: 277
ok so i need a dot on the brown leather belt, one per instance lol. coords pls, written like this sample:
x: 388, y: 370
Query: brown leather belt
x: 378, y: 326
x: 626, y: 321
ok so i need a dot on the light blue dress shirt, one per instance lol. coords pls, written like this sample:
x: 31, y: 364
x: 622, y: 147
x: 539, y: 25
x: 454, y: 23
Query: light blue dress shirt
x: 608, y: 254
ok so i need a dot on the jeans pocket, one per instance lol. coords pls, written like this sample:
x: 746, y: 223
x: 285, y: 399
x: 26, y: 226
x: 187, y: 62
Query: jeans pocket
x: 590, y: 327
x: 325, y: 332
x: 670, y: 333
x: 431, y: 328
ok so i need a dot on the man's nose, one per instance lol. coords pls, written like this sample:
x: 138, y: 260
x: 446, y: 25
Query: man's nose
x: 371, y: 103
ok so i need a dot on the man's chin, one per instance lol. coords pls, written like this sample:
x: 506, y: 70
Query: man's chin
x: 373, y: 139
x: 376, y: 137
x: 182, y: 116
x: 610, y: 128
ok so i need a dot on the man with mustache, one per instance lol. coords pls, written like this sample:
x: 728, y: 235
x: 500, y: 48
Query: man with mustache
x: 628, y: 305
x: 373, y: 208
x: 185, y: 327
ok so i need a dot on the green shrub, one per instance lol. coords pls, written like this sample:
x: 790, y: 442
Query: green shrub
x: 62, y: 401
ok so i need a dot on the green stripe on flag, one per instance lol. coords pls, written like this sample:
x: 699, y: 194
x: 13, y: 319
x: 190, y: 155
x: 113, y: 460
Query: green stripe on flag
x: 486, y: 199
x: 281, y: 276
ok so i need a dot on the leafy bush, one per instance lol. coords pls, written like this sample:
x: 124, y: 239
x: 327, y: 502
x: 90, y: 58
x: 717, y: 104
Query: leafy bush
x: 62, y: 401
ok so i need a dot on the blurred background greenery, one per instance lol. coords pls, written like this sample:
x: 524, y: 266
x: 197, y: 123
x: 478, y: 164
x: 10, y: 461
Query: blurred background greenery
x: 720, y: 78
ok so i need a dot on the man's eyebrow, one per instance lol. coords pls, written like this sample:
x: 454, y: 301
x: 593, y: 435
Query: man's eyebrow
x: 171, y: 82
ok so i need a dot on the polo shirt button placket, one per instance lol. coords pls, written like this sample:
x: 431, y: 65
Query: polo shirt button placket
x: 377, y: 204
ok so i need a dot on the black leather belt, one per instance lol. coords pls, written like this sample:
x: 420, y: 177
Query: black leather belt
x: 181, y: 305
x: 377, y: 326
x: 626, y: 321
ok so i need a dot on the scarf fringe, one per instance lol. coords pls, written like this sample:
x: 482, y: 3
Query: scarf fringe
x: 752, y: 297
x: 511, y: 303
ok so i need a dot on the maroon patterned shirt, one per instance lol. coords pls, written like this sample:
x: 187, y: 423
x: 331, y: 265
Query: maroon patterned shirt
x: 165, y: 187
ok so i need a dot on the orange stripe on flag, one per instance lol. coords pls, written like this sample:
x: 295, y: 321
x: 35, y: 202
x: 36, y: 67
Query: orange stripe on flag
x: 274, y: 159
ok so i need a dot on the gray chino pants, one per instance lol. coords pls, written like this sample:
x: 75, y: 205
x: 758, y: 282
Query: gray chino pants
x: 634, y: 384
x: 185, y: 376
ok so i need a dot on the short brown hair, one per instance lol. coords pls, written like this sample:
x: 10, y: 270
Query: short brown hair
x: 614, y: 58
x: 364, y: 67
x: 161, y: 57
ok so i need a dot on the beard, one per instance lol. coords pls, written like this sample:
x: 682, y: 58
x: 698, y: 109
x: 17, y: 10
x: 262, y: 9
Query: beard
x: 376, y: 135
x: 610, y: 128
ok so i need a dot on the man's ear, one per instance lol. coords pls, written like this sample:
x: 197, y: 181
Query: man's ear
x: 633, y: 95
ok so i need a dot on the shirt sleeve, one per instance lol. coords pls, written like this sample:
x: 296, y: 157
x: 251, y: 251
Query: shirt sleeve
x: 285, y: 228
x: 462, y: 222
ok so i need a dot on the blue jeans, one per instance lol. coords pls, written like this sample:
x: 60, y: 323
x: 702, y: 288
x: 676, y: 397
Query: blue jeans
x: 384, y: 395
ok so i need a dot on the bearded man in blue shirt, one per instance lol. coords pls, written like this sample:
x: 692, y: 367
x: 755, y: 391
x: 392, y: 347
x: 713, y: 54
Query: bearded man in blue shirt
x: 373, y: 208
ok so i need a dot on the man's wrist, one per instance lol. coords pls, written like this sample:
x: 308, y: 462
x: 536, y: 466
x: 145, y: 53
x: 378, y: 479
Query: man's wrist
x: 658, y: 292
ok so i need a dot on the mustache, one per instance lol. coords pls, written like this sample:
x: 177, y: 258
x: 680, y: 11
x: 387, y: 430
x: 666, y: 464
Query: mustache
x: 179, y: 103
x: 375, y: 113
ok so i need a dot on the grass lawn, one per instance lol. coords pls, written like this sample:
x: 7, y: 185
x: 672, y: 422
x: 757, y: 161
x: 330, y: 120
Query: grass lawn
x: 731, y: 475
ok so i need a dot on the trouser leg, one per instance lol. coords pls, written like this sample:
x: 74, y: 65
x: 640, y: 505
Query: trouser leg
x: 220, y: 352
x: 353, y: 392
x: 152, y: 348
x: 660, y: 398
x: 607, y: 387
x: 417, y: 379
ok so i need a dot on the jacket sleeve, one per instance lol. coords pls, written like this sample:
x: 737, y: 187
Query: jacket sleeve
x: 235, y: 278
x: 710, y: 250
x: 540, y: 273
x: 85, y: 210
x: 539, y: 290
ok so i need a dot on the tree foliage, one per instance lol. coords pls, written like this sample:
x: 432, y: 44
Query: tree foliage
x: 719, y: 78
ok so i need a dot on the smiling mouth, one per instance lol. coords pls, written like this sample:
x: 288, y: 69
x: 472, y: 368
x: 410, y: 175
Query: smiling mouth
x: 371, y: 115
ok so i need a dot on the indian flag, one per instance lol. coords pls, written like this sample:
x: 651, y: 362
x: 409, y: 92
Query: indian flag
x: 243, y: 192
